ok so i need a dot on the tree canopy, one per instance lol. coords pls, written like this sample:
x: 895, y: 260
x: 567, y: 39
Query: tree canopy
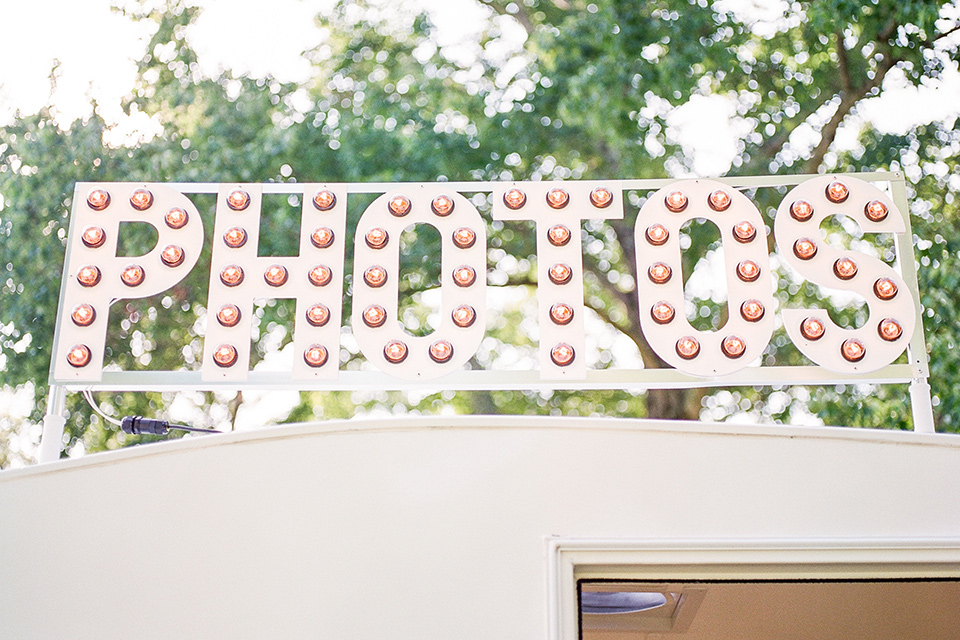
x: 592, y: 90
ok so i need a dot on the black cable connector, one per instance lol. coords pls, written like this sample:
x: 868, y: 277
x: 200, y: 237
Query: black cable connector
x: 137, y: 425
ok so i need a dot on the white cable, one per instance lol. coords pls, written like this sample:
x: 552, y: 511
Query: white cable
x: 88, y: 395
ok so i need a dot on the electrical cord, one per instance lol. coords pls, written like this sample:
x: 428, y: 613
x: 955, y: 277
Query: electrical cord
x: 137, y: 425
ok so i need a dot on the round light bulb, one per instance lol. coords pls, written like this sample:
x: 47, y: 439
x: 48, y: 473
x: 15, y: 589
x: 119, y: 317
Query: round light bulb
x: 322, y: 237
x: 376, y: 238
x: 748, y: 271
x: 318, y: 315
x: 238, y: 199
x: 141, y: 199
x: 657, y: 234
x: 804, y: 248
x: 441, y: 351
x: 837, y: 192
x: 132, y: 275
x: 98, y: 199
x: 813, y: 328
x: 464, y: 237
x: 560, y: 273
x: 875, y: 211
x: 324, y: 200
x: 464, y: 276
x: 78, y: 355
x: 853, y: 350
x: 659, y: 273
x: 719, y: 200
x: 395, y: 351
x: 320, y: 275
x: 399, y: 206
x: 176, y: 218
x: 275, y: 275
x: 232, y: 275
x: 676, y: 201
x: 557, y: 198
x: 890, y: 329
x: 688, y: 347
x: 561, y: 313
x: 235, y: 237
x: 442, y: 205
x: 885, y: 289
x: 375, y: 276
x: 601, y: 197
x: 172, y: 255
x: 558, y: 235
x: 733, y: 346
x: 93, y: 237
x: 83, y: 315
x: 801, y: 210
x: 514, y: 198
x: 225, y: 355
x: 228, y: 315
x: 315, y: 355
x: 662, y: 312
x: 88, y: 276
x: 744, y: 231
x: 752, y: 311
x: 845, y: 268
x: 463, y: 316
x: 374, y: 316
x: 562, y: 354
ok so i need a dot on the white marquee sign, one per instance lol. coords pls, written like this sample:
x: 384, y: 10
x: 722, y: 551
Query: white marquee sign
x: 95, y: 277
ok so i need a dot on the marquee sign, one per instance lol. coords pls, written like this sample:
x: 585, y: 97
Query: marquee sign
x: 95, y: 277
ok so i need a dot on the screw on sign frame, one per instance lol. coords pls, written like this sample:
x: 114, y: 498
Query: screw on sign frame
x: 96, y: 277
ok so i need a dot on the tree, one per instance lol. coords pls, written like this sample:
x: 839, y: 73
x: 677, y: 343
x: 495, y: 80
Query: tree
x: 588, y: 94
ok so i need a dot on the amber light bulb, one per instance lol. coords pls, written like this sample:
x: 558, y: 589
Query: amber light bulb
x: 78, y: 355
x: 231, y: 275
x: 875, y: 211
x: 853, y: 350
x: 374, y: 316
x: 228, y: 315
x: 315, y: 355
x: 464, y: 237
x: 748, y: 271
x: 801, y: 210
x: 225, y: 355
x: 812, y: 328
x: 676, y: 201
x: 442, y: 205
x: 83, y: 315
x: 93, y: 237
x: 235, y: 237
x: 463, y: 316
x: 172, y: 255
x: 560, y: 273
x: 275, y: 275
x: 733, y: 346
x: 399, y: 205
x: 318, y: 315
x: 845, y: 268
x: 514, y: 198
x: 238, y: 199
x: 558, y: 235
x: 557, y: 198
x: 324, y: 200
x: 752, y: 311
x: 657, y: 234
x: 662, y: 312
x: 395, y: 351
x: 322, y: 237
x: 376, y: 238
x: 132, y: 275
x: 744, y: 231
x: 601, y: 197
x: 890, y: 329
x: 141, y: 199
x: 837, y: 192
x: 719, y: 200
x: 561, y: 313
x: 98, y: 199
x: 885, y: 289
x: 375, y: 276
x: 659, y: 273
x: 562, y: 354
x: 441, y: 351
x: 464, y: 276
x: 804, y: 248
x: 88, y: 276
x: 176, y: 218
x: 688, y: 347
x: 320, y: 275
